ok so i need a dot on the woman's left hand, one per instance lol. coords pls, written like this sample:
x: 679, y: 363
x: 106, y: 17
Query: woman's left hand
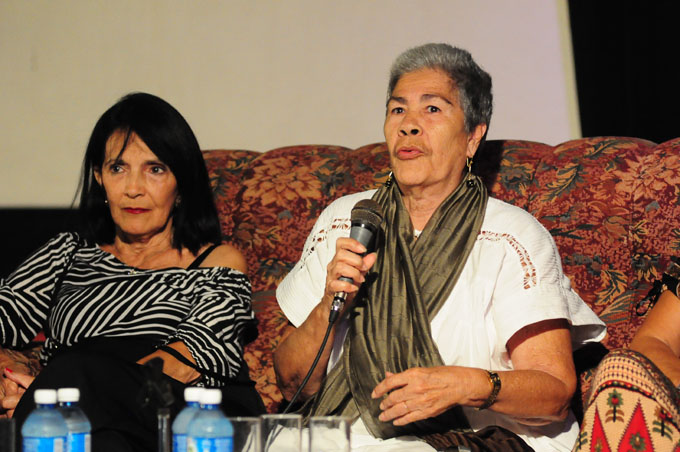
x: 420, y: 393
x: 15, y: 384
x: 173, y: 367
x: 536, y: 392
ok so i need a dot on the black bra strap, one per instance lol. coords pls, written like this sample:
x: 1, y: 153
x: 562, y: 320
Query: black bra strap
x: 184, y: 360
x: 199, y: 260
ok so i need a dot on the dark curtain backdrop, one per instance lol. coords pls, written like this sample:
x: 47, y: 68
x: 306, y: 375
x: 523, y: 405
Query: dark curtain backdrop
x: 25, y: 230
x: 626, y: 57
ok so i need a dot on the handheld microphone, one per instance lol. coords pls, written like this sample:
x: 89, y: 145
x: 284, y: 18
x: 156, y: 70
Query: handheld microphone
x: 366, y: 219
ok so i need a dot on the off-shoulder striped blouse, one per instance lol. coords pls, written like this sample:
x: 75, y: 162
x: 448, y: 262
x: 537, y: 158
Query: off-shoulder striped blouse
x: 208, y: 308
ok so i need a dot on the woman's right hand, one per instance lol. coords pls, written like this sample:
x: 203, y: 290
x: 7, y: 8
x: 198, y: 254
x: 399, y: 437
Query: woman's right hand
x: 348, y: 262
x: 14, y: 385
x: 299, y: 346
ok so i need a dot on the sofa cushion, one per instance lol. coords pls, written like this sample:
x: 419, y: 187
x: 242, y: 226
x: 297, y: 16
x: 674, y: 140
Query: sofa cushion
x: 656, y: 217
x: 582, y: 197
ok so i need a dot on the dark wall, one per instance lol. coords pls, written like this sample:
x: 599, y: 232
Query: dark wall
x: 625, y: 57
x: 25, y: 230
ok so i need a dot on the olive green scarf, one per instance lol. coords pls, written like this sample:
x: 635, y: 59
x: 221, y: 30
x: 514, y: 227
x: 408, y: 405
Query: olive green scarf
x: 390, y: 320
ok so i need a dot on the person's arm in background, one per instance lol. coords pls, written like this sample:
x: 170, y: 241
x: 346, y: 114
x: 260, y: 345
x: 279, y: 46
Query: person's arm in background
x: 659, y: 336
x: 14, y: 384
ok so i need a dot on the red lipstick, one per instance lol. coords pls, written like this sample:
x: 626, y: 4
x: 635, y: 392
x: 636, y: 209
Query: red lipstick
x: 134, y: 210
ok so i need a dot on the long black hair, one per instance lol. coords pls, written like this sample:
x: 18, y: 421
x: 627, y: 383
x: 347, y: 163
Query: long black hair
x: 165, y: 131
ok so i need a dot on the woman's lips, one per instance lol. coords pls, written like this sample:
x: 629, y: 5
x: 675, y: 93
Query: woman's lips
x: 408, y: 153
x: 135, y: 210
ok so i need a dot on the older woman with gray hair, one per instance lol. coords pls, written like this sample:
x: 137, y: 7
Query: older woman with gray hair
x: 458, y: 329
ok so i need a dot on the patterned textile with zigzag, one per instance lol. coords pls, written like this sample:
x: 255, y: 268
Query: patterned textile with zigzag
x: 632, y: 407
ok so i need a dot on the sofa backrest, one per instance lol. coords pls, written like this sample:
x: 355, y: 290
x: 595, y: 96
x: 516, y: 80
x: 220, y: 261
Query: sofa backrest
x: 610, y: 204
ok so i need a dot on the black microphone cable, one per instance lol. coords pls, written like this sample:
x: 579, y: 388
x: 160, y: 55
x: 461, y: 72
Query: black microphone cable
x: 366, y: 218
x: 331, y: 322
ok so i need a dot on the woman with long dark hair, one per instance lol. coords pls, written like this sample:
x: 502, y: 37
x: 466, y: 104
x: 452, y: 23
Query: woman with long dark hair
x: 146, y: 277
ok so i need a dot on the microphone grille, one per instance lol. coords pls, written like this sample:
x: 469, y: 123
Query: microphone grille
x: 367, y: 211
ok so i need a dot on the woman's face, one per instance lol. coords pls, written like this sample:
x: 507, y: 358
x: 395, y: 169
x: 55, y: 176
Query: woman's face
x: 425, y: 133
x: 140, y: 189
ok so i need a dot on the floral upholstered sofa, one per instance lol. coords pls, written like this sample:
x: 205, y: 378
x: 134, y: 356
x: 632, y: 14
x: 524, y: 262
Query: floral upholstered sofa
x: 612, y: 204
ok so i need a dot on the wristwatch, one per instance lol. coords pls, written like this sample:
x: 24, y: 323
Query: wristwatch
x: 495, y: 381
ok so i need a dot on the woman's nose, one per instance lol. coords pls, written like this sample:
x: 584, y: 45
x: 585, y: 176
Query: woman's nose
x: 134, y: 185
x: 411, y: 130
x: 410, y: 126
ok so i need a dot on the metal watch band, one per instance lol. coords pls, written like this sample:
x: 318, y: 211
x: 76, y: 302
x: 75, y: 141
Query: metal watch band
x: 496, y: 388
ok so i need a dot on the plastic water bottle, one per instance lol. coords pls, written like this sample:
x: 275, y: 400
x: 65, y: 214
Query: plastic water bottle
x: 192, y: 396
x: 210, y: 430
x: 78, y: 438
x: 44, y: 429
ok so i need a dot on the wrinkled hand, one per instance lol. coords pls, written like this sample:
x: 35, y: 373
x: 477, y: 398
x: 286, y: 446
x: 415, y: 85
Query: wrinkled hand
x: 347, y: 262
x: 14, y: 384
x: 419, y: 393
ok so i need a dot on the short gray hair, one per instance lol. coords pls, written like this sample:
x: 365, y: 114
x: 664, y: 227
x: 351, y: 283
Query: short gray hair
x: 471, y: 81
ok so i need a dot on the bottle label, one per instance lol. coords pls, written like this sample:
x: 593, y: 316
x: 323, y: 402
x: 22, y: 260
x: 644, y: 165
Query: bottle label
x: 198, y: 444
x: 55, y: 444
x: 79, y: 442
x: 179, y: 443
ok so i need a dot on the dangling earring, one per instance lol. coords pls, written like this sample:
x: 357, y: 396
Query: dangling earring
x: 106, y: 201
x: 470, y: 181
x: 388, y: 182
x: 178, y: 201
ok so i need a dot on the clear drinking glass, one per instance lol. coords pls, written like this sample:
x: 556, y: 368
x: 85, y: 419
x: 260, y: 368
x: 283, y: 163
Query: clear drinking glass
x: 246, y: 434
x: 329, y: 434
x: 281, y: 432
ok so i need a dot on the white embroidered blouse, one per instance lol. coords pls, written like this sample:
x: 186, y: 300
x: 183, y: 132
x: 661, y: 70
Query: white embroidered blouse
x: 512, y: 278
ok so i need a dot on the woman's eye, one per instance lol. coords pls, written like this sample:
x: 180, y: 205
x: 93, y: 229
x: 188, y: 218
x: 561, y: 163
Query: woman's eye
x: 397, y: 110
x: 115, y: 168
x: 433, y: 109
x: 157, y: 169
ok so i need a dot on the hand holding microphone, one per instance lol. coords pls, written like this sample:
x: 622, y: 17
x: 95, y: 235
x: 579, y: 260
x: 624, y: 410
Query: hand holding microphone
x: 366, y: 218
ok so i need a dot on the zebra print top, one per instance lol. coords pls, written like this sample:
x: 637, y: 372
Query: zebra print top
x: 206, y: 308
